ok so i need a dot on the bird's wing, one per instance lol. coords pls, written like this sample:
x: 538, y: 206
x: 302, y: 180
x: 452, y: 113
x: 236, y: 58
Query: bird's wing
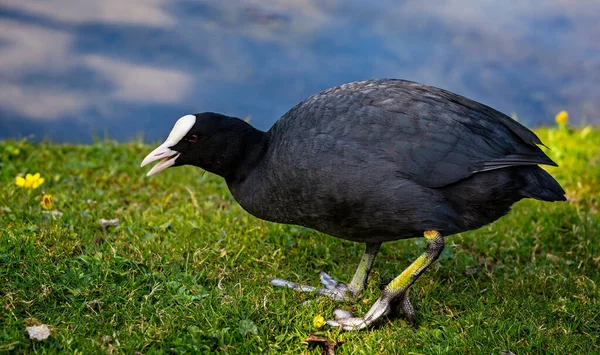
x: 435, y: 137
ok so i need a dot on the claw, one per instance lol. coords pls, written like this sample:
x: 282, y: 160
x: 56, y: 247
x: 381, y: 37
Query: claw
x: 347, y: 322
x: 341, y: 314
x: 332, y: 288
x: 294, y: 286
x: 332, y: 284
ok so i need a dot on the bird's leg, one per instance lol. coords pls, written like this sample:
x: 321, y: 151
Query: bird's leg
x: 359, y: 281
x: 336, y: 290
x: 407, y: 308
x: 396, y: 290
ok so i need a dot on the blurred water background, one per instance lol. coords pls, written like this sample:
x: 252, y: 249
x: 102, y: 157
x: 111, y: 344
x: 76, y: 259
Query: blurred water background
x: 74, y: 69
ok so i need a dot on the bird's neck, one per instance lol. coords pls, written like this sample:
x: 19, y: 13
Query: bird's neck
x: 236, y: 152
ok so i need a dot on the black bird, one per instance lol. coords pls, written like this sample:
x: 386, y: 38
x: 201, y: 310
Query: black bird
x: 371, y: 161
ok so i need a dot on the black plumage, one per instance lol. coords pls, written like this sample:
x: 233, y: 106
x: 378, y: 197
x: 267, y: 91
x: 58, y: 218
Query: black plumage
x: 388, y: 159
x: 376, y: 161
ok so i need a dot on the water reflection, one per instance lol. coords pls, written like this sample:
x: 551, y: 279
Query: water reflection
x: 71, y: 69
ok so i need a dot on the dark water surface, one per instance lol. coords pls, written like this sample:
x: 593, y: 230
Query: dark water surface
x: 72, y: 69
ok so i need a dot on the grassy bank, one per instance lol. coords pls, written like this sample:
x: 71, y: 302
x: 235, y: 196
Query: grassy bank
x: 187, y: 269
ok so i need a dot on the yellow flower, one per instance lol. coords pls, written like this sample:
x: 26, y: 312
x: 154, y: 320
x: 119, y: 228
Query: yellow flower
x: 319, y: 321
x: 30, y: 181
x: 19, y: 181
x: 46, y: 201
x: 562, y: 118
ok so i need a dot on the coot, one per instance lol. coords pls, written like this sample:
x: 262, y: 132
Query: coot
x: 371, y: 161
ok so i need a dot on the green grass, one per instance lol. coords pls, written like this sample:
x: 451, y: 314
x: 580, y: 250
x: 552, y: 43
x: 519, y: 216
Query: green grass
x: 187, y: 270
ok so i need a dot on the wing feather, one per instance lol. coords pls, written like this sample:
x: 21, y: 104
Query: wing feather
x: 431, y: 136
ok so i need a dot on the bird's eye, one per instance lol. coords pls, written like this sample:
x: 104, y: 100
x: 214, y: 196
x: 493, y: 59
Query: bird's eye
x: 193, y: 138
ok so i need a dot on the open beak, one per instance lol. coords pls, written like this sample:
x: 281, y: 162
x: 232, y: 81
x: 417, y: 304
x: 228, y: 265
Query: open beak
x: 163, y: 153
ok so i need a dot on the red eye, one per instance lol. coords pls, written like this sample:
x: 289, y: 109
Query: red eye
x: 193, y: 138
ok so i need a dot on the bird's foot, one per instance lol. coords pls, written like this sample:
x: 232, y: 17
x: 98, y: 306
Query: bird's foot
x: 382, y: 307
x: 332, y: 288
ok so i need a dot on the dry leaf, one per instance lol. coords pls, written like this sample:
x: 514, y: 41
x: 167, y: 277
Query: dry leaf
x: 95, y: 305
x: 31, y: 322
x: 38, y: 332
x: 327, y: 345
x: 109, y: 222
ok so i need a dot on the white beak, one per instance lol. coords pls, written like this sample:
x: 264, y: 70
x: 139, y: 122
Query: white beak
x: 168, y: 155
x: 163, y: 152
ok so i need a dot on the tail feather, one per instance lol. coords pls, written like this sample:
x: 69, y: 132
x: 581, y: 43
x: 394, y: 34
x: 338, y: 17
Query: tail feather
x: 540, y: 185
x: 515, y: 160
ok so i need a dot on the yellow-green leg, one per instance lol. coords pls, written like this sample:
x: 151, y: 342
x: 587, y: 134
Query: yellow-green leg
x: 361, y: 275
x: 396, y: 290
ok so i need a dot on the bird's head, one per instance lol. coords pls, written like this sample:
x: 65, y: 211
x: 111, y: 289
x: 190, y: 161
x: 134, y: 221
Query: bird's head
x: 214, y: 142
